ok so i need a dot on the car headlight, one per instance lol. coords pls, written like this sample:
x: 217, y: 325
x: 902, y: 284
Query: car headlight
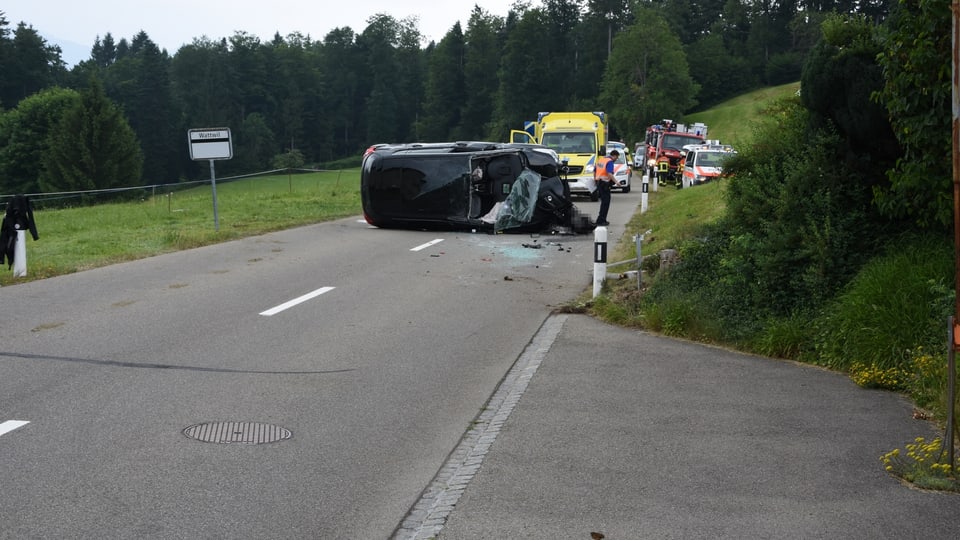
x: 651, y: 163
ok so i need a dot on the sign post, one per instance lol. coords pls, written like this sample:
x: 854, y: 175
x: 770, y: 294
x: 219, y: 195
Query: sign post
x: 211, y: 144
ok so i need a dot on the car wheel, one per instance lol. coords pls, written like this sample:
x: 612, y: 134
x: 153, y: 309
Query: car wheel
x: 625, y: 189
x: 595, y: 195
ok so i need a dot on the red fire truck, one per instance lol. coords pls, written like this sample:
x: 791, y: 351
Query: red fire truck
x: 664, y: 148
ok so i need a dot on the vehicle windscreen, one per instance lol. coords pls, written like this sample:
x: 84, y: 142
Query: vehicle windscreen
x: 711, y: 159
x: 677, y: 141
x: 570, y: 143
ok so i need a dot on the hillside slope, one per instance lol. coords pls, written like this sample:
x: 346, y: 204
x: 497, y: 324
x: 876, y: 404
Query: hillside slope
x: 732, y: 121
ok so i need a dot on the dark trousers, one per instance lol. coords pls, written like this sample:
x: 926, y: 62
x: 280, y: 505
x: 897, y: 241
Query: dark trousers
x: 603, y: 188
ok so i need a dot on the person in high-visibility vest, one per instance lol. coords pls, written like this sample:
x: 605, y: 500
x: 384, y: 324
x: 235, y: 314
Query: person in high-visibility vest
x: 603, y: 174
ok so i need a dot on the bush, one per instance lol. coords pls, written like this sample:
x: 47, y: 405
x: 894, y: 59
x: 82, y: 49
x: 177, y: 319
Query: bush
x: 790, y: 337
x: 899, y: 301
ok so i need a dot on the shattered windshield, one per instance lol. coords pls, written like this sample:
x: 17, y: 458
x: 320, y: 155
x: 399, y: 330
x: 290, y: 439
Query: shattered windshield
x: 518, y: 208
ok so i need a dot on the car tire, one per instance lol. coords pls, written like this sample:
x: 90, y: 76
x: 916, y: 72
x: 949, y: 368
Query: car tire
x: 625, y: 189
x: 595, y: 195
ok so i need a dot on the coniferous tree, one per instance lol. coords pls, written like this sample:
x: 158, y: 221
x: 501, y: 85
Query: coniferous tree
x: 559, y: 42
x: 247, y: 77
x: 255, y: 146
x: 591, y: 42
x: 29, y: 64
x: 523, y: 70
x: 93, y: 147
x: 6, y: 56
x: 290, y: 84
x: 719, y: 73
x: 445, y: 92
x: 151, y: 111
x: 481, y: 60
x: 381, y: 118
x: 342, y: 64
x: 103, y: 53
x: 199, y: 79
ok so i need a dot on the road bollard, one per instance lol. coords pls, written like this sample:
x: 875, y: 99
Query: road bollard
x: 20, y: 255
x: 599, y: 258
x: 644, y: 194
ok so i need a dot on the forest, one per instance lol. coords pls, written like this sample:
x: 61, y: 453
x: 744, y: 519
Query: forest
x: 120, y: 117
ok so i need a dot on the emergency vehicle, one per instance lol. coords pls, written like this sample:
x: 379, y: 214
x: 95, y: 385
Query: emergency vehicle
x: 622, y: 167
x: 664, y: 148
x: 577, y: 137
x: 703, y: 162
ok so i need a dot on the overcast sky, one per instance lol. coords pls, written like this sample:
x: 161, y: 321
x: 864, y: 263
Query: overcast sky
x: 75, y: 24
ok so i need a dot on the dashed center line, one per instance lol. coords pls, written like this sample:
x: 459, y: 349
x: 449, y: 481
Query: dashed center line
x: 11, y: 425
x: 428, y: 244
x: 295, y: 301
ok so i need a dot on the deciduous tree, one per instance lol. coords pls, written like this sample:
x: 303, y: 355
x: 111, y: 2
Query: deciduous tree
x: 25, y: 134
x: 647, y: 77
x: 917, y: 94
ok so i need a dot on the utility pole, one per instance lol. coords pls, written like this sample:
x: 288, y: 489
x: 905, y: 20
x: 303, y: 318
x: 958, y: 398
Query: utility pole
x: 953, y: 340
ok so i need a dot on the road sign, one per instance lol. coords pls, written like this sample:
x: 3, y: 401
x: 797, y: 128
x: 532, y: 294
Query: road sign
x: 210, y: 143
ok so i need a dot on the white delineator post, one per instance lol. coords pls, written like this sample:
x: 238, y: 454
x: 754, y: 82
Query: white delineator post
x: 599, y: 258
x: 20, y: 255
x: 644, y: 194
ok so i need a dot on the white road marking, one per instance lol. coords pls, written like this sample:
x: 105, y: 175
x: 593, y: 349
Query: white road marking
x: 429, y: 515
x: 295, y: 301
x: 11, y: 425
x: 428, y: 244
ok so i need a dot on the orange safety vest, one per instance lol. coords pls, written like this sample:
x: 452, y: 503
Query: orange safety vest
x: 600, y: 169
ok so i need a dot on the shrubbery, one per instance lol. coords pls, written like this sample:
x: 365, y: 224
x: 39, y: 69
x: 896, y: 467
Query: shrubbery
x: 798, y: 227
x: 830, y: 249
x: 896, y: 303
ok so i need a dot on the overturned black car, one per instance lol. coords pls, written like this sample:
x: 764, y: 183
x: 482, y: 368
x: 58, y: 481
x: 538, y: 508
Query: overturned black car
x: 493, y: 187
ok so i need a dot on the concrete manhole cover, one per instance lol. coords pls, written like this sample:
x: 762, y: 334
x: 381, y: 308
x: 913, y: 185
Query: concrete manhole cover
x: 237, y: 432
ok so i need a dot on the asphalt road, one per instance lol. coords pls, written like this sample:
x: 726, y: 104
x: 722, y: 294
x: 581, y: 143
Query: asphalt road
x: 637, y: 436
x: 368, y: 353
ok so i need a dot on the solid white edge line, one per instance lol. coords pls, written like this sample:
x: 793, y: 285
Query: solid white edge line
x: 295, y: 301
x: 428, y: 516
x: 11, y: 425
x: 428, y: 244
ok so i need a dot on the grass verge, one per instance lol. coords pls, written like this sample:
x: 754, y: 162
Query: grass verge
x: 84, y: 237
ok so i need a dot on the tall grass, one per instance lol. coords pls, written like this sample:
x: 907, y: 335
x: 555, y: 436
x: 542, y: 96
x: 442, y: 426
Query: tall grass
x: 80, y: 238
x: 733, y: 121
x: 897, y: 302
x: 673, y: 216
